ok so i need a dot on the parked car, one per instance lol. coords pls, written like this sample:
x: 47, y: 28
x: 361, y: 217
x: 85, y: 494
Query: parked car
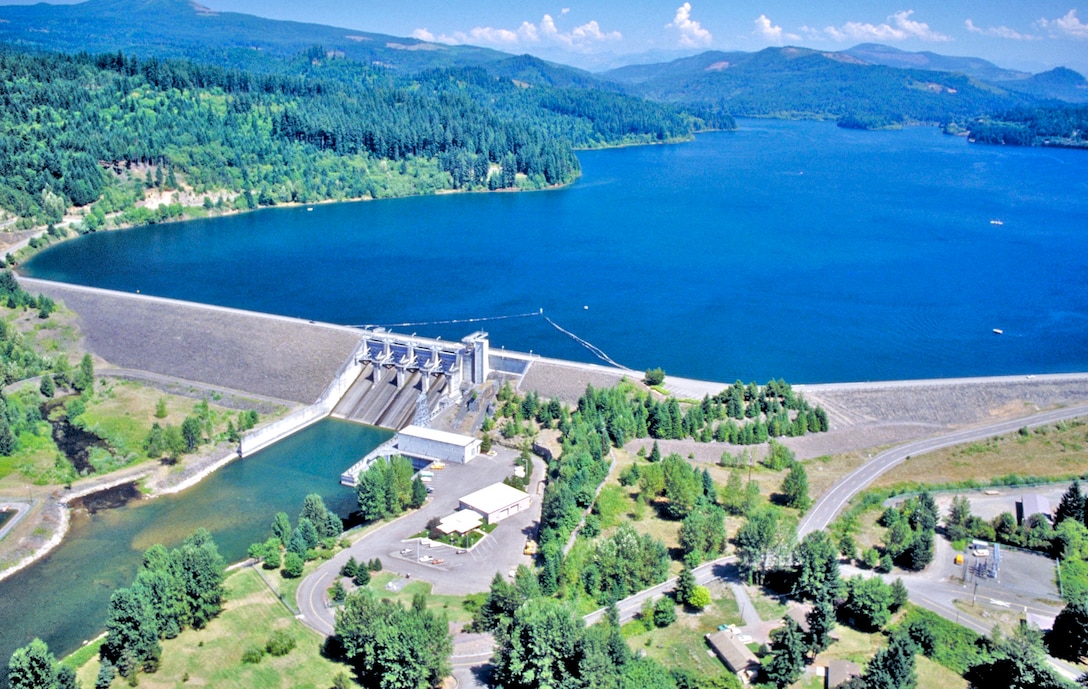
x: 426, y: 558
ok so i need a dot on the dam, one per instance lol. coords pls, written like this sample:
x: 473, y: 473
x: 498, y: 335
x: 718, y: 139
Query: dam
x: 407, y: 379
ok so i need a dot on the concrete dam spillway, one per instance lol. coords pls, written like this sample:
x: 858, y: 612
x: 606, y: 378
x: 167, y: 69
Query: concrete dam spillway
x: 407, y: 379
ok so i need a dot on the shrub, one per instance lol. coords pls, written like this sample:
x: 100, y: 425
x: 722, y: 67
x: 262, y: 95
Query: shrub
x: 253, y: 655
x: 280, y: 643
x: 292, y: 565
x: 655, y: 376
x: 664, y: 612
x: 699, y: 598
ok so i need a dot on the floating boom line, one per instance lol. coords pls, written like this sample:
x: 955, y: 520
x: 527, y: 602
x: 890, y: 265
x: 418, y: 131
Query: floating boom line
x: 450, y: 321
x: 594, y: 349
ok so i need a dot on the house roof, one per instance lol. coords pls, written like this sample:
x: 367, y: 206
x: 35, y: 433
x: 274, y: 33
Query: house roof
x: 438, y: 436
x: 800, y: 616
x: 493, y: 498
x: 841, y: 671
x: 1034, y: 503
x: 460, y: 521
x: 736, y: 656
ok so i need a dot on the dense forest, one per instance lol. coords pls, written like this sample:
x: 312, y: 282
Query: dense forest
x: 1054, y: 125
x: 100, y: 130
x: 798, y: 82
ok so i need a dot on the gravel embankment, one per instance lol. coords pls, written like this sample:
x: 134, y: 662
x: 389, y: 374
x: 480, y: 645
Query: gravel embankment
x: 282, y: 358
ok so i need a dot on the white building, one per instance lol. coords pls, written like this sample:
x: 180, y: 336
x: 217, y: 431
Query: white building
x: 427, y: 443
x: 497, y: 502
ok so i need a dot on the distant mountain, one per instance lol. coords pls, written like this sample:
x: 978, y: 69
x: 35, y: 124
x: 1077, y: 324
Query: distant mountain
x: 186, y: 29
x: 799, y: 82
x: 1061, y: 83
x: 877, y: 54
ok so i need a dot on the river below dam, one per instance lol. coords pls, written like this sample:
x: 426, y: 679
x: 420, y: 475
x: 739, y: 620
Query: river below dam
x: 62, y: 598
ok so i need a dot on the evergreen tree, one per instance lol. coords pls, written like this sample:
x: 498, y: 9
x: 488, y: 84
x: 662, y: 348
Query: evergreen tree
x: 795, y: 488
x: 787, y: 654
x: 893, y: 666
x: 685, y: 586
x: 419, y: 493
x: 821, y: 620
x: 281, y: 528
x: 1069, y: 637
x: 655, y: 453
x: 131, y: 636
x: 1071, y: 505
x: 33, y: 667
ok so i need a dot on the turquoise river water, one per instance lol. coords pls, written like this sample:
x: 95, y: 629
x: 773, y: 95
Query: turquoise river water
x: 63, y: 598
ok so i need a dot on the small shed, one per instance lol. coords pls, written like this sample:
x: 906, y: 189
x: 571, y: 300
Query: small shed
x: 497, y: 502
x: 1030, y: 504
x: 734, y: 654
x: 428, y: 443
x: 840, y: 672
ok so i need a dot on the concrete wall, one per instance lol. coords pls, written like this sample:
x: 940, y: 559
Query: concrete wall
x: 260, y: 438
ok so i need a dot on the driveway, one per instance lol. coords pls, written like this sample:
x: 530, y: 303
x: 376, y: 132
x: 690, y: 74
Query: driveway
x: 461, y: 572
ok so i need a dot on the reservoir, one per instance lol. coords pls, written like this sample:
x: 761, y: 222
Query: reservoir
x: 63, y: 598
x: 797, y: 250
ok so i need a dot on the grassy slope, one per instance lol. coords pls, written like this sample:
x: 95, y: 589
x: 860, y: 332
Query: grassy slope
x: 1052, y: 451
x: 211, y: 657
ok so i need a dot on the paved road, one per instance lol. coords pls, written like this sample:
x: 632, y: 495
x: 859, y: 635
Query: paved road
x: 831, y: 502
x: 460, y: 572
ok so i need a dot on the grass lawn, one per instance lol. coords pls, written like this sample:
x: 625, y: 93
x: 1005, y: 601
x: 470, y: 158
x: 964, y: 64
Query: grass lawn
x: 766, y: 606
x: 1056, y: 450
x: 452, y: 606
x: 682, y: 644
x: 123, y: 411
x: 212, y: 657
x: 859, y: 647
x: 36, y: 460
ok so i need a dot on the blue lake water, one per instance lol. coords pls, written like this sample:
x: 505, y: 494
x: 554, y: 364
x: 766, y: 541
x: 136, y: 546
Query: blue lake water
x: 786, y: 249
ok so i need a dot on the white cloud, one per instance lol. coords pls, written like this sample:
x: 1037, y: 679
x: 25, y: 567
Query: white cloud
x: 581, y: 38
x: 1067, y: 26
x: 765, y: 28
x: 897, y: 27
x: 1000, y: 32
x: 692, y: 34
x: 771, y: 32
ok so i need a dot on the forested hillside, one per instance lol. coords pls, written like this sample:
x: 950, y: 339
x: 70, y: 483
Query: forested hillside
x: 103, y: 130
x: 1065, y: 126
x: 797, y: 82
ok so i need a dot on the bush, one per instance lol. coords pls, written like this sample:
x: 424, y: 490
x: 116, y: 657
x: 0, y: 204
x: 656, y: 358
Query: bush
x: 252, y: 655
x: 664, y: 612
x: 280, y: 643
x: 292, y: 565
x: 655, y: 376
x: 362, y: 577
x: 699, y: 598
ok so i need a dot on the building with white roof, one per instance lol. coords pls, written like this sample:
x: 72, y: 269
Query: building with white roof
x: 428, y: 443
x: 497, y: 502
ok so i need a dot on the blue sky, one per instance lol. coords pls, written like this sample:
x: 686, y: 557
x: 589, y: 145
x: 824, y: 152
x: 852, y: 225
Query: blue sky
x: 1031, y: 35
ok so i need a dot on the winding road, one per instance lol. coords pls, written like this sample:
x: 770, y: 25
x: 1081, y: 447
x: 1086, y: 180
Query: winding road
x: 831, y: 502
